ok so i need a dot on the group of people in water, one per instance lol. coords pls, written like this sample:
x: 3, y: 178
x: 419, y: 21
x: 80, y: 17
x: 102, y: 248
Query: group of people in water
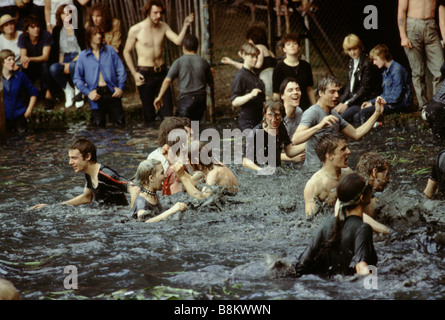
x: 277, y: 102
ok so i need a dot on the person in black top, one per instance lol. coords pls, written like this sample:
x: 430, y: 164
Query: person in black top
x: 292, y: 66
x: 364, y: 79
x: 342, y: 244
x: 103, y: 184
x: 248, y: 90
x: 148, y: 178
x: 273, y: 134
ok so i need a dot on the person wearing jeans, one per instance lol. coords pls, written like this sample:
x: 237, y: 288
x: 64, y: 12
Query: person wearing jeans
x: 100, y: 75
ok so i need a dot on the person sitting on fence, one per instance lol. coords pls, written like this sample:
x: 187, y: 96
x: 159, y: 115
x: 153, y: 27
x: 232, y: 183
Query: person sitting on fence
x: 213, y: 173
x: 193, y: 73
x: 147, y: 207
x: 248, y: 90
x: 100, y: 75
x: 292, y: 66
x: 364, y: 79
x: 396, y: 84
x: 35, y: 49
x: 18, y: 105
x: 100, y: 15
x: 67, y: 45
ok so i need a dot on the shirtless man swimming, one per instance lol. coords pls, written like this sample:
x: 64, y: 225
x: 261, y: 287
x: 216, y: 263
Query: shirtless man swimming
x: 147, y: 37
x: 421, y: 42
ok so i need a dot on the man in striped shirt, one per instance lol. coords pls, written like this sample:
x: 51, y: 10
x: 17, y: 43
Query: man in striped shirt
x: 103, y: 184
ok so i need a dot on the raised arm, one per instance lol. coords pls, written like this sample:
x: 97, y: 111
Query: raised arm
x: 358, y: 133
x: 304, y: 133
x: 177, y: 38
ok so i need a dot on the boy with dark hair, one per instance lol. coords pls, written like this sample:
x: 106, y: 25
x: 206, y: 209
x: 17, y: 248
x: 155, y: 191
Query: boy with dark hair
x: 292, y: 66
x: 35, y: 48
x: 103, y: 184
x: 193, y: 73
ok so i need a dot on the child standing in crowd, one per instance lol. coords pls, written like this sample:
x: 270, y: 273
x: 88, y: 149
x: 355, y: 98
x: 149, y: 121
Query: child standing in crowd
x: 248, y: 90
x: 193, y: 73
x: 15, y: 85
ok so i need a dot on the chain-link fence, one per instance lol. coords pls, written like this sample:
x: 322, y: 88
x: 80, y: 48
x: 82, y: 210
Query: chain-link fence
x: 221, y: 26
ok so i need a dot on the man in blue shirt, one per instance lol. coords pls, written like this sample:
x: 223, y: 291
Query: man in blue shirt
x: 100, y: 75
x: 396, y: 85
x: 16, y: 87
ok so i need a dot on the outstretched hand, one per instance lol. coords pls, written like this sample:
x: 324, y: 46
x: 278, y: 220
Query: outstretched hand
x: 380, y: 105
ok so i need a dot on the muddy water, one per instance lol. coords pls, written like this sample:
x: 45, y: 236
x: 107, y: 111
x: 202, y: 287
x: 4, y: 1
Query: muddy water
x: 219, y: 249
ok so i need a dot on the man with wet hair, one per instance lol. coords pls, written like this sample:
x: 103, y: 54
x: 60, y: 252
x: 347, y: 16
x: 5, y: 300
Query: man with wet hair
x: 147, y: 37
x: 333, y: 151
x: 193, y: 73
x: 376, y: 168
x: 103, y: 184
x: 321, y: 189
x: 321, y: 119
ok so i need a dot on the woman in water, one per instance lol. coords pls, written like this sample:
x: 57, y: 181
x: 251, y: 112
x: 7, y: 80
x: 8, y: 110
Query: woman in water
x: 147, y: 208
x: 342, y: 244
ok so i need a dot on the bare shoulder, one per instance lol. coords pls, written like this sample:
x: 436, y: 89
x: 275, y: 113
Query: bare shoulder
x: 135, y: 29
x: 314, y: 181
x: 345, y: 171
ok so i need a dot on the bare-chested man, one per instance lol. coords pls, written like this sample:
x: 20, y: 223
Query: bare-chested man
x: 213, y: 172
x: 147, y: 37
x: 333, y: 152
x: 421, y: 42
x: 321, y: 189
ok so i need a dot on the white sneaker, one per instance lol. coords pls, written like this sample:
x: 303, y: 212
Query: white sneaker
x: 69, y: 95
x: 424, y: 115
x: 79, y: 104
